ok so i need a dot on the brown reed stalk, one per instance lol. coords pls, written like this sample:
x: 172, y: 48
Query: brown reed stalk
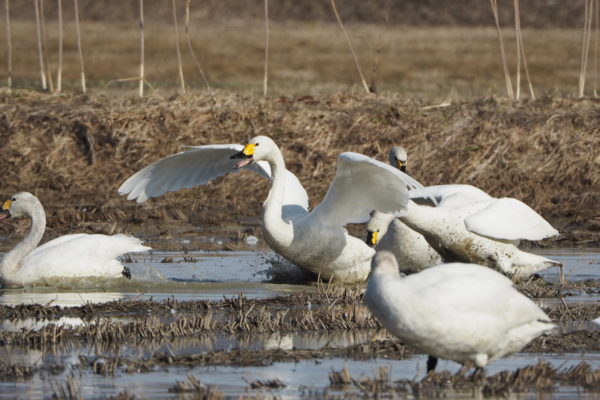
x: 518, y: 80
x: 521, y: 52
x: 141, y: 88
x: 588, y: 15
x: 509, y: 88
x: 596, y: 2
x: 266, y: 78
x: 39, y: 43
x: 386, y: 17
x: 181, y: 79
x: 45, y: 46
x: 60, y: 47
x: 189, y: 43
x: 79, y: 48
x: 9, y: 45
x: 339, y: 20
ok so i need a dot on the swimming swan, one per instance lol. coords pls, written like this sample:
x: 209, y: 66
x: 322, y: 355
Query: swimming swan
x: 69, y: 256
x: 316, y: 241
x: 459, y: 312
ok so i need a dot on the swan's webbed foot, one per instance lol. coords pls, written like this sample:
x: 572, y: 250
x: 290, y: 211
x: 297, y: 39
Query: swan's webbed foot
x: 126, y: 273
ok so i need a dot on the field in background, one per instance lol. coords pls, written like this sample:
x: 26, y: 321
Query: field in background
x: 311, y: 58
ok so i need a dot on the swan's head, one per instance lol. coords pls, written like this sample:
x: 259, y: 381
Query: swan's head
x: 20, y: 205
x: 398, y: 157
x: 377, y: 227
x: 258, y: 148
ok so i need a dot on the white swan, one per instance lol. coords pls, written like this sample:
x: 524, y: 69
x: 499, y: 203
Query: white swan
x: 467, y: 225
x: 460, y: 312
x: 316, y: 241
x: 412, y: 252
x: 484, y: 232
x: 69, y: 256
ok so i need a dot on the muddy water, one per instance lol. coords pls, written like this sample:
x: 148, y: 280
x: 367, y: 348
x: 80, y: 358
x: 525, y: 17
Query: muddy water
x: 212, y: 275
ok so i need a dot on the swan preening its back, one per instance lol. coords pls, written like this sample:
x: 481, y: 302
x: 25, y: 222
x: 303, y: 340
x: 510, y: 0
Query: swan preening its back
x: 460, y: 312
x: 69, y: 256
x: 316, y: 240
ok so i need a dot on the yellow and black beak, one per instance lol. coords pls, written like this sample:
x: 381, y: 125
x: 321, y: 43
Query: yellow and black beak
x: 246, y: 155
x: 372, y: 238
x: 5, y: 212
x: 401, y: 165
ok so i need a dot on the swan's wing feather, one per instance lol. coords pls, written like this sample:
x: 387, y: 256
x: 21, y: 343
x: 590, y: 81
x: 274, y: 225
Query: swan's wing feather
x: 361, y: 185
x: 183, y: 170
x: 509, y: 219
x: 82, y: 255
x: 452, y: 195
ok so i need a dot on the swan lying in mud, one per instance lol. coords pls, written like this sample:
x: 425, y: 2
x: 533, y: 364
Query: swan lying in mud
x: 70, y: 256
x: 317, y: 240
x: 467, y: 225
x: 459, y: 312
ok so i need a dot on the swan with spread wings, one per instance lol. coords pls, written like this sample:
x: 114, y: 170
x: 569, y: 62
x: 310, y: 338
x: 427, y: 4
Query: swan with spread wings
x: 317, y: 240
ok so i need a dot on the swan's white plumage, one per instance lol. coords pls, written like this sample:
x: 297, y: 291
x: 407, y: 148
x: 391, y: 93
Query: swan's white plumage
x: 316, y: 241
x: 460, y: 312
x: 199, y: 166
x: 69, y: 256
x: 410, y: 248
x: 449, y: 195
x: 381, y: 187
x: 509, y: 219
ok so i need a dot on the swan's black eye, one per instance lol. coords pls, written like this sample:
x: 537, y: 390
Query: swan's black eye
x: 256, y: 144
x: 13, y: 199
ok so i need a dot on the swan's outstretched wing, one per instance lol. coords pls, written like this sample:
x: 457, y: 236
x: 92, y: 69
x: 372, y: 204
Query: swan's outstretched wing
x: 184, y: 170
x: 198, y: 166
x: 362, y: 184
x: 448, y: 195
x: 509, y: 219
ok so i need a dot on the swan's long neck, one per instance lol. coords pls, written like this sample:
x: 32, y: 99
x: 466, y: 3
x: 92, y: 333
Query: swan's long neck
x: 280, y: 232
x: 12, y: 260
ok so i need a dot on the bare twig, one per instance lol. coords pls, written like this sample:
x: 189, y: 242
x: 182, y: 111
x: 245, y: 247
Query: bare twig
x: 9, y: 44
x: 39, y: 43
x: 588, y: 16
x: 517, y: 32
x: 265, y: 80
x: 45, y: 46
x: 78, y: 33
x: 521, y: 52
x: 596, y: 2
x: 509, y: 89
x: 181, y: 79
x: 339, y: 20
x: 141, y: 87
x: 60, y: 47
x: 189, y: 43
x: 386, y: 17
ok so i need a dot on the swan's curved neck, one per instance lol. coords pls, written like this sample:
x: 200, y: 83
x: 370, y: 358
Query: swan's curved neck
x: 12, y: 260
x: 279, y: 232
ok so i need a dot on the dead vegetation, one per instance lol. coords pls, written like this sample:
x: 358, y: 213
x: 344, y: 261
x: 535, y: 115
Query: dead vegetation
x: 543, y: 152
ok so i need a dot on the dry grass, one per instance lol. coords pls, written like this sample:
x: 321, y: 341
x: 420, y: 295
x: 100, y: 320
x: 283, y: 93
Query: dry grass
x: 543, y: 152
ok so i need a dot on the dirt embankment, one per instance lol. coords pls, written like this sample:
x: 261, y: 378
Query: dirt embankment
x: 74, y: 151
